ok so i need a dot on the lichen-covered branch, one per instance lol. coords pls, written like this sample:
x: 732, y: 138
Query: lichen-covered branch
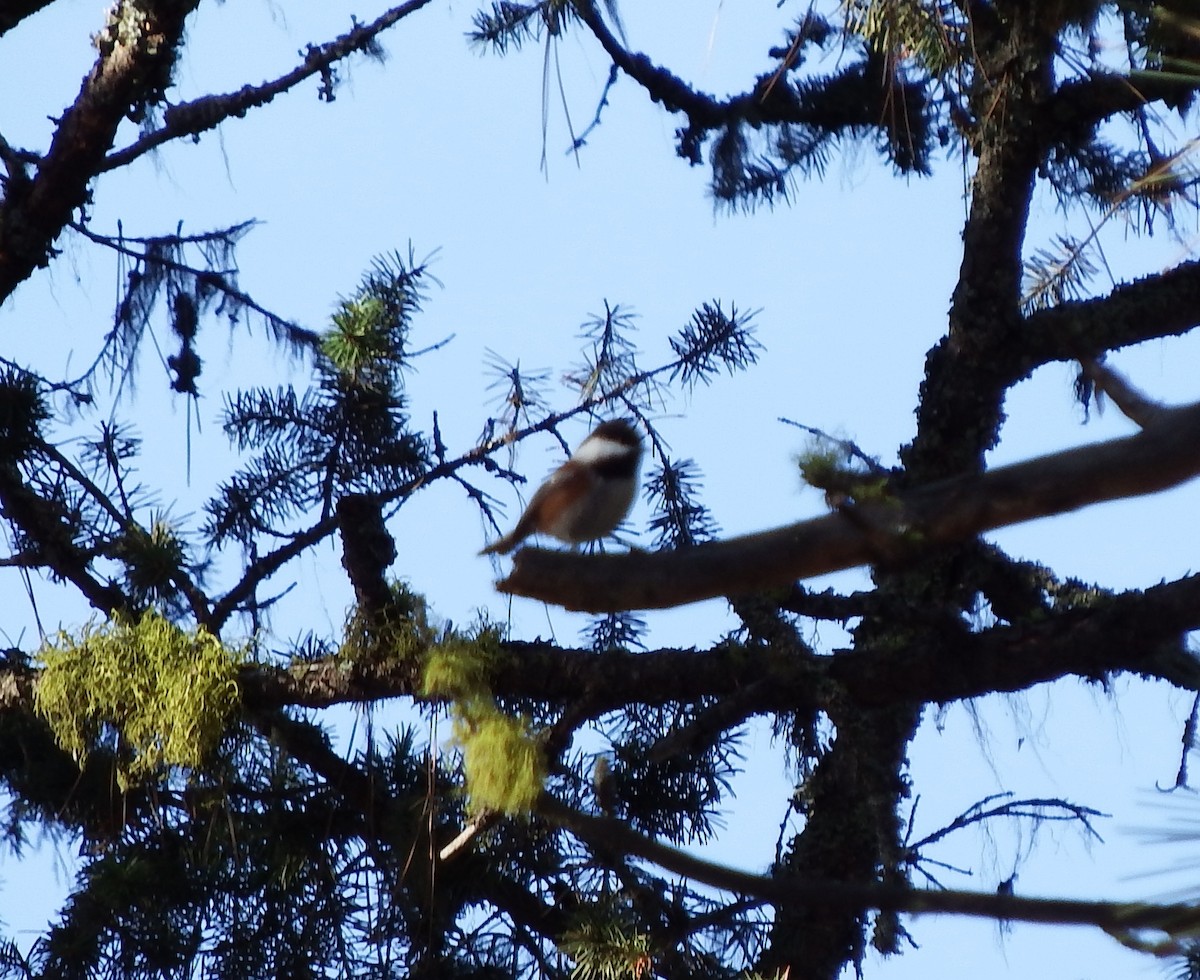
x: 137, y: 51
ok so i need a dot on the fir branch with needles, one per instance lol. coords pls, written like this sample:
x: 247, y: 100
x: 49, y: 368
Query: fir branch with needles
x: 1057, y: 274
x: 349, y: 434
x: 615, y: 631
x: 511, y: 25
x: 679, y: 519
x: 712, y: 341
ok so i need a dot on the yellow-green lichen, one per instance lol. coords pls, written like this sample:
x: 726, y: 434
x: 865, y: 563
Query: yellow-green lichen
x: 503, y: 760
x: 166, y: 692
x: 828, y: 471
x: 459, y: 667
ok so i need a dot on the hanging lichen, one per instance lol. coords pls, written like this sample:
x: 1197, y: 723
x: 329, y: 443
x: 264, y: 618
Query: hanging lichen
x: 163, y: 693
x: 503, y: 759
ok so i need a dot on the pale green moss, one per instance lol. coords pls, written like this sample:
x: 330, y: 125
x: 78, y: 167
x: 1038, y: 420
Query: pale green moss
x: 167, y: 692
x: 400, y: 632
x: 503, y: 760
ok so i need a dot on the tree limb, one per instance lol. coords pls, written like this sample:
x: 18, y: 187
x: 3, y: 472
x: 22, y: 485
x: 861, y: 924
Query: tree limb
x: 12, y: 12
x: 1166, y: 304
x: 199, y: 115
x: 137, y: 55
x: 1165, y: 454
x: 1084, y: 103
x: 1120, y: 919
x: 1140, y: 632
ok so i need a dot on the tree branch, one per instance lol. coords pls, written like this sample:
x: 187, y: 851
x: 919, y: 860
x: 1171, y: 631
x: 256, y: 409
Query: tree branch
x: 1084, y: 103
x: 1139, y: 632
x: 1166, y: 304
x: 1120, y: 919
x: 12, y: 12
x: 137, y: 55
x: 199, y: 115
x: 1163, y: 455
x: 300, y: 336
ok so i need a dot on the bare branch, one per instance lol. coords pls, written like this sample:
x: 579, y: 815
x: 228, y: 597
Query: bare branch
x: 123, y: 77
x: 199, y: 115
x: 1122, y: 920
x: 1165, y: 454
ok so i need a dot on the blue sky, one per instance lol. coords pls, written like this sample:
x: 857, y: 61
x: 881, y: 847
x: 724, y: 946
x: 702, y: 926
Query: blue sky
x: 441, y: 147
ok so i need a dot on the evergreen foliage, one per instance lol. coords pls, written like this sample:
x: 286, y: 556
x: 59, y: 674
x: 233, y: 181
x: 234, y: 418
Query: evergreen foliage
x: 226, y: 828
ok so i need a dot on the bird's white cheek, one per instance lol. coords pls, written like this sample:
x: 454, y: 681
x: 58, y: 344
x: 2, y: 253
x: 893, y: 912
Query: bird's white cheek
x: 592, y: 451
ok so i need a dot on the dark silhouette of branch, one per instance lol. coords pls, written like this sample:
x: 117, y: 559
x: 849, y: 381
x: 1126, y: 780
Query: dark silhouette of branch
x: 263, y: 568
x: 1166, y: 304
x: 1084, y: 103
x: 12, y: 12
x: 1136, y: 631
x: 199, y: 115
x: 1165, y: 454
x: 51, y: 538
x: 300, y: 336
x: 197, y: 601
x: 1122, y: 920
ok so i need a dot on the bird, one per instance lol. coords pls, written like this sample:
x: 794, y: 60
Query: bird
x: 586, y: 497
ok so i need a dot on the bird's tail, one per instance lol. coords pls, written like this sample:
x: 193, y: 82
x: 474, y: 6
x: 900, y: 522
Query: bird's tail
x: 501, y: 546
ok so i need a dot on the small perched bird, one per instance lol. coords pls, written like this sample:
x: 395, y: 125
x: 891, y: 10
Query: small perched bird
x: 586, y: 497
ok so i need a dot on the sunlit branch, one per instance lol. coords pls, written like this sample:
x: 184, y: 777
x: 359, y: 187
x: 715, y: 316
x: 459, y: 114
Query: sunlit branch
x: 32, y: 219
x: 199, y: 115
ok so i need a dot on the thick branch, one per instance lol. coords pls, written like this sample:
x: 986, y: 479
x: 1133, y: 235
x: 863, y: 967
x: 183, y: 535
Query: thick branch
x: 1136, y: 631
x: 1163, y: 455
x: 12, y: 12
x: 1084, y: 103
x: 137, y: 56
x: 1166, y: 304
